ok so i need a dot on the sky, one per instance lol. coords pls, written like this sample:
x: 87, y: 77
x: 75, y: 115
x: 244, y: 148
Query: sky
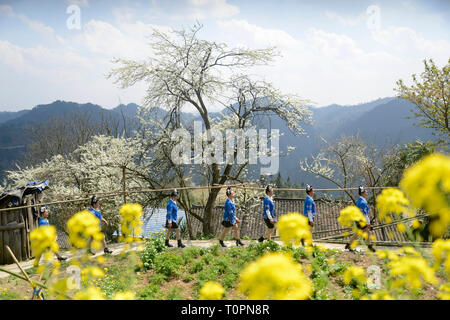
x: 340, y: 51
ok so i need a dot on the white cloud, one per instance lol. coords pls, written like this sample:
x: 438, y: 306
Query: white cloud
x: 194, y: 9
x: 322, y: 66
x: 202, y: 9
x: 6, y: 10
x: 81, y: 3
x: 405, y: 40
x: 36, y: 25
x: 346, y: 20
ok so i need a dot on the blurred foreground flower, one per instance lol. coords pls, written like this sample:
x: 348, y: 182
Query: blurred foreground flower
x: 275, y: 276
x: 392, y: 201
x: 43, y: 239
x: 350, y: 215
x: 130, y: 224
x: 427, y: 184
x: 211, y: 291
x: 82, y: 227
x: 354, y: 273
x: 294, y: 229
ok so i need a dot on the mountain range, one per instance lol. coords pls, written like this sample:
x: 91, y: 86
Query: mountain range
x: 381, y: 122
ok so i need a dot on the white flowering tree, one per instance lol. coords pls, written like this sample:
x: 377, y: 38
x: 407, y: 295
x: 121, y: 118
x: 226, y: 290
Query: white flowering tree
x: 347, y: 163
x: 186, y: 70
x: 103, y: 164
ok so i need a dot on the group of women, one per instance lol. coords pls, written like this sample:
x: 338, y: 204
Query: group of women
x: 231, y: 221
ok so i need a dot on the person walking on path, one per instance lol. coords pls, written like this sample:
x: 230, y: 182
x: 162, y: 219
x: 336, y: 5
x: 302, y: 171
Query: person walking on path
x: 95, y: 209
x: 229, y: 219
x: 269, y: 214
x: 43, y: 221
x: 362, y: 204
x: 171, y: 220
x: 309, y: 209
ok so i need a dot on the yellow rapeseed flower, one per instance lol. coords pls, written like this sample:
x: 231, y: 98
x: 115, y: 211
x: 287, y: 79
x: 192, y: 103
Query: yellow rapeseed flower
x: 91, y: 293
x: 131, y: 221
x: 349, y: 215
x: 294, y: 228
x: 441, y: 251
x: 354, y: 273
x: 43, y: 239
x: 391, y: 201
x: 445, y: 295
x: 91, y: 272
x: 83, y: 227
x: 379, y: 295
x: 126, y: 295
x: 401, y: 227
x: 411, y: 270
x: 275, y: 276
x: 211, y: 291
x: 427, y: 185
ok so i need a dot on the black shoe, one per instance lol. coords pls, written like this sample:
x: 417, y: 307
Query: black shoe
x: 347, y: 246
x: 239, y: 243
x: 107, y: 250
x: 371, y: 248
x: 61, y: 258
x: 222, y: 244
x: 180, y: 245
x: 168, y: 244
x: 261, y: 239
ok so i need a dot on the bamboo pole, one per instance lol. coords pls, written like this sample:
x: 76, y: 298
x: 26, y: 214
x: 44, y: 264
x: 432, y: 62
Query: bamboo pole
x: 122, y: 192
x: 21, y: 269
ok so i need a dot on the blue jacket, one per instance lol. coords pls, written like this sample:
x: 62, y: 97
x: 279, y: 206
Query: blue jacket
x: 98, y: 214
x: 310, y: 207
x: 230, y: 211
x: 172, y: 211
x: 361, y: 203
x: 269, y: 207
x: 43, y: 222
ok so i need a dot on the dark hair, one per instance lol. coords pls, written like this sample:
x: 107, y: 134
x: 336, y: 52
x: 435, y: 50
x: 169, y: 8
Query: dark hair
x: 94, y: 200
x: 268, y: 188
x: 308, y: 188
x: 361, y: 190
x: 43, y: 208
x: 174, y: 193
x: 228, y: 191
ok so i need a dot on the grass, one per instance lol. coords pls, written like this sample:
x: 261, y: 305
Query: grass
x: 179, y: 274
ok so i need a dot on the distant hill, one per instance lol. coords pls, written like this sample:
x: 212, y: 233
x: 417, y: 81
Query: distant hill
x: 380, y: 122
x: 8, y: 115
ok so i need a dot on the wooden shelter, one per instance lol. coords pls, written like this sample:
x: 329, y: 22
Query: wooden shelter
x: 16, y: 224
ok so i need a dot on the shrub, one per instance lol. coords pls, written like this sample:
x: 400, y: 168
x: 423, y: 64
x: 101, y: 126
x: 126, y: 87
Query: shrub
x: 153, y: 246
x: 168, y: 264
x: 150, y: 292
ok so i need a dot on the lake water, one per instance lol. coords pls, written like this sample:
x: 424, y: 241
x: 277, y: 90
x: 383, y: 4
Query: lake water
x: 157, y: 220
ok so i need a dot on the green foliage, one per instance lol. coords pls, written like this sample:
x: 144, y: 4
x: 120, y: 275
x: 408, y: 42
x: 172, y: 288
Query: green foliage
x: 174, y: 294
x: 430, y: 95
x: 191, y: 253
x: 8, y: 295
x: 118, y: 278
x: 150, y: 292
x: 153, y: 246
x: 197, y: 266
x: 157, y: 279
x: 168, y: 263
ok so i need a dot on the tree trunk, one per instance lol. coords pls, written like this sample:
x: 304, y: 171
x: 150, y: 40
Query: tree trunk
x: 207, y: 229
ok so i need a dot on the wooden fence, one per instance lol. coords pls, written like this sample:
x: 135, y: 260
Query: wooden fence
x: 325, y: 225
